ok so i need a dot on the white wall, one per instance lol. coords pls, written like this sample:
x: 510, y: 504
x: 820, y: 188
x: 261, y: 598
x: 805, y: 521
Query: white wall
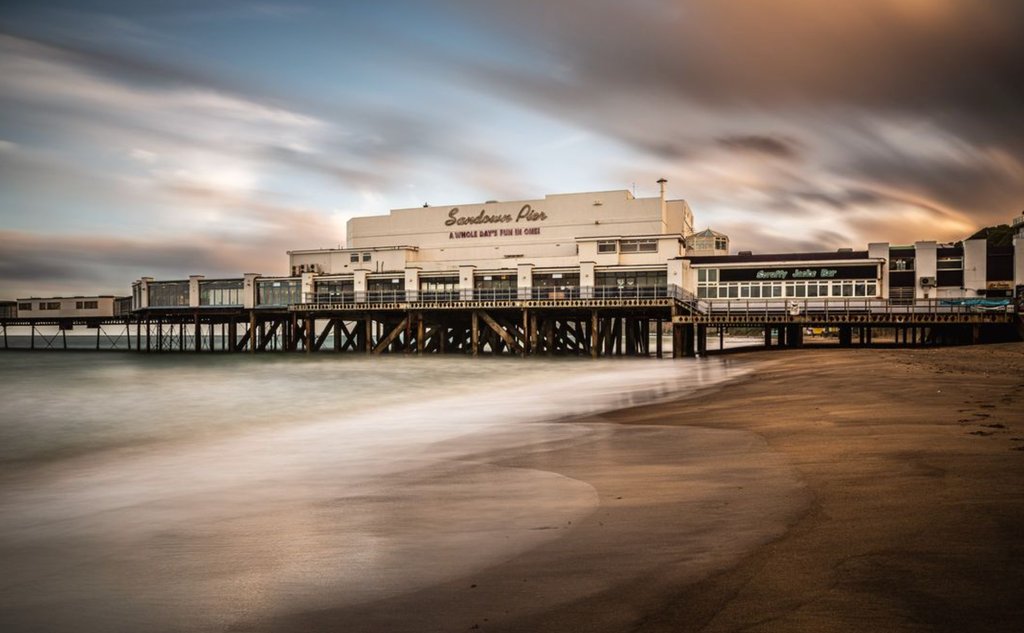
x: 925, y: 266
x: 975, y: 266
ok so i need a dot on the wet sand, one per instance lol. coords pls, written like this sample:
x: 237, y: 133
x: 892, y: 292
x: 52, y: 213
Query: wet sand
x: 832, y: 490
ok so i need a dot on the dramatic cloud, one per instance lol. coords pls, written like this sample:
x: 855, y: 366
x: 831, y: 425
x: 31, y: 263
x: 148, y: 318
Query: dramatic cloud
x: 211, y: 139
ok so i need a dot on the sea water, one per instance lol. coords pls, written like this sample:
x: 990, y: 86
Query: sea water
x: 188, y: 492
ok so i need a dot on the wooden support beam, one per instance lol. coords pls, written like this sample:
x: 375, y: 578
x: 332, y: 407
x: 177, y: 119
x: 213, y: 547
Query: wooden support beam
x: 319, y: 342
x: 245, y: 341
x: 252, y: 333
x: 368, y: 335
x: 349, y: 338
x: 338, y: 326
x: 500, y: 331
x: 266, y: 337
x: 390, y: 338
x: 595, y: 334
x: 420, y: 333
x: 475, y: 333
x: 308, y: 341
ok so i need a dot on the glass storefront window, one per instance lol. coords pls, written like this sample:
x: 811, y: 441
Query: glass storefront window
x: 334, y: 290
x: 278, y: 292
x: 225, y: 292
x: 385, y: 289
x: 439, y: 288
x: 168, y: 294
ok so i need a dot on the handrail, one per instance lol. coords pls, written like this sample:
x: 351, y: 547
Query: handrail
x: 499, y: 294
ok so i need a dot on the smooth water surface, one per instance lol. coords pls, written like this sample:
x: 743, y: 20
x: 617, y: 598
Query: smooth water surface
x: 181, y: 492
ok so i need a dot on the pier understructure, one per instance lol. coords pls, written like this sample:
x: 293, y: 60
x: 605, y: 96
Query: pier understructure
x: 661, y: 322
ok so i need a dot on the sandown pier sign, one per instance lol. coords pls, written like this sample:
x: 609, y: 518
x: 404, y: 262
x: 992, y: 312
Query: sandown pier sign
x: 526, y: 214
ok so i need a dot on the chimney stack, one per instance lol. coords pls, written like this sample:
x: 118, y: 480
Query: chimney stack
x: 662, y: 181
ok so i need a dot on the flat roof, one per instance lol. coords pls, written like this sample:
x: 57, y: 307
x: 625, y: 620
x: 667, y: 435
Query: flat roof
x: 777, y: 257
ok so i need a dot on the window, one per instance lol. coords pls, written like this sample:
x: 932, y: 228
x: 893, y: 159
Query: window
x: 24, y: 306
x: 721, y: 244
x: 168, y: 294
x: 902, y: 263
x: 565, y: 285
x: 279, y: 292
x: 49, y: 305
x: 639, y: 246
x: 367, y: 256
x: 87, y: 305
x: 354, y: 258
x: 227, y: 292
x: 949, y: 263
x: 606, y: 247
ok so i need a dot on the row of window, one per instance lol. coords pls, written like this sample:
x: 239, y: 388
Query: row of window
x: 794, y: 289
x: 627, y: 246
x: 354, y: 257
x: 942, y: 263
x: 55, y: 305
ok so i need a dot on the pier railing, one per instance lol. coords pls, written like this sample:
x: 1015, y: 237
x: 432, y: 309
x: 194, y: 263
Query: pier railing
x: 566, y: 293
x: 843, y: 307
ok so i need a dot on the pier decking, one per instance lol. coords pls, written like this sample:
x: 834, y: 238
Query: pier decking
x: 592, y: 322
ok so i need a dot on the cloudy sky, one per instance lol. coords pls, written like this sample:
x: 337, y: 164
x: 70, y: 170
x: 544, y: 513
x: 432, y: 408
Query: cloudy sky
x: 187, y: 137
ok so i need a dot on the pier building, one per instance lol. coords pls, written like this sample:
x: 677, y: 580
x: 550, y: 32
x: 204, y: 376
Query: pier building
x: 97, y: 306
x: 593, y: 273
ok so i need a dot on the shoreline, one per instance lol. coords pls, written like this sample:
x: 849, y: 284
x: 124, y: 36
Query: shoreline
x: 911, y: 464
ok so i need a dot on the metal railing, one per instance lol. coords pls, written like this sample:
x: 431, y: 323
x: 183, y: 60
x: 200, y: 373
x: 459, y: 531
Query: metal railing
x: 566, y: 293
x: 840, y: 307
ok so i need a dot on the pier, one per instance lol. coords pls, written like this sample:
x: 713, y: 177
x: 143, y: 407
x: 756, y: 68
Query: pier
x: 594, y: 322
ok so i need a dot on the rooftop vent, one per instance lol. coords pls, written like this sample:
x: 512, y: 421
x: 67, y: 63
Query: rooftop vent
x: 746, y: 253
x: 491, y: 202
x: 844, y: 250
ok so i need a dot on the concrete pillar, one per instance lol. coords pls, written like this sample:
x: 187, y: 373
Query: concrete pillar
x: 249, y: 290
x: 880, y: 250
x: 925, y: 264
x: 412, y: 283
x: 144, y: 293
x: 308, y: 288
x: 524, y: 280
x: 767, y: 336
x: 679, y: 273
x: 975, y: 267
x: 193, y: 290
x: 1018, y: 262
x: 359, y: 286
x: 466, y: 283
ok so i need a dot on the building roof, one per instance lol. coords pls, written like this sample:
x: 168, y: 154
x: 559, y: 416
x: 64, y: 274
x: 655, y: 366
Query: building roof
x: 708, y: 233
x: 776, y: 257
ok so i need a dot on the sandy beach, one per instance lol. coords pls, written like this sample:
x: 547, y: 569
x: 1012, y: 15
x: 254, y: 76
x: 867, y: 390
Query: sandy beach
x: 830, y: 490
